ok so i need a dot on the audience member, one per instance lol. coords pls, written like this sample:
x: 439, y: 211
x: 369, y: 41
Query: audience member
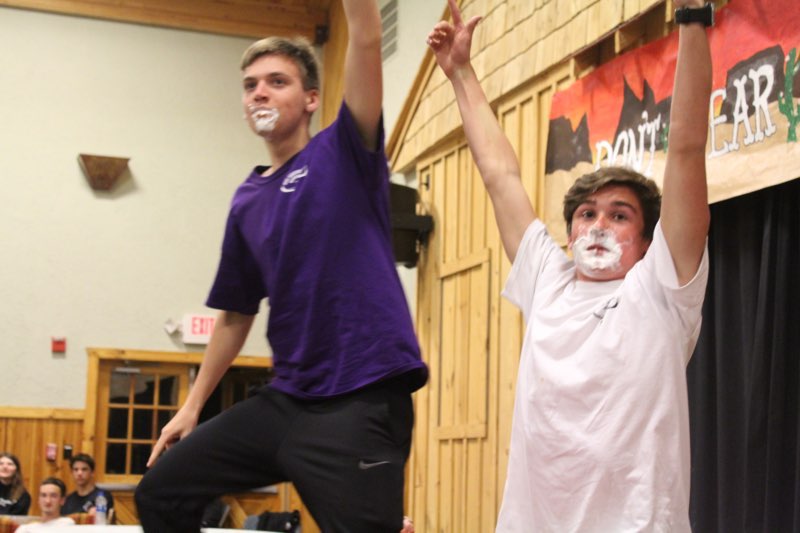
x: 82, y: 500
x: 14, y: 498
x: 51, y: 497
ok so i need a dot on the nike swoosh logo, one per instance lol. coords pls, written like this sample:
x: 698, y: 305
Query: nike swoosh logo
x: 363, y: 465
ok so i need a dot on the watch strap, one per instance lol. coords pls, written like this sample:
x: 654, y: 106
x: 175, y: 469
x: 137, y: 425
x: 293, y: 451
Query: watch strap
x: 689, y: 15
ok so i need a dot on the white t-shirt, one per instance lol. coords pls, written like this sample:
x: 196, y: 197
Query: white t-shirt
x: 600, y: 434
x: 33, y: 527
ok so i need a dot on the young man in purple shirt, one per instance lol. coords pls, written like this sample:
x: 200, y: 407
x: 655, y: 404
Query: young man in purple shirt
x: 312, y: 234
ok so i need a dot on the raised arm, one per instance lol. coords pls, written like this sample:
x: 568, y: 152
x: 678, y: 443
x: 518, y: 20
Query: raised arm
x: 493, y: 153
x: 230, y: 332
x: 684, y: 209
x: 363, y: 76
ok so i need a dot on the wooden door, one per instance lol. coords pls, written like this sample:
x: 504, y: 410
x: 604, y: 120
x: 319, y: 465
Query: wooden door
x: 470, y: 336
x: 451, y: 480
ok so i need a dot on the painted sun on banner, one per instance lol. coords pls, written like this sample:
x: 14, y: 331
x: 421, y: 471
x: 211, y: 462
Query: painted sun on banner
x: 620, y: 113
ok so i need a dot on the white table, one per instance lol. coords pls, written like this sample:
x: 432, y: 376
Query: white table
x: 124, y: 529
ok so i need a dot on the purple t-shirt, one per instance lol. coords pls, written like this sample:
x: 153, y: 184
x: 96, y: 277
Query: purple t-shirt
x: 315, y: 238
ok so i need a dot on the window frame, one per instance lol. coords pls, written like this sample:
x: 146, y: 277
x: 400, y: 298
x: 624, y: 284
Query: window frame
x: 103, y: 361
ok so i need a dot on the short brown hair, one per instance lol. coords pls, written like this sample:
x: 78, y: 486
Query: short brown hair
x: 645, y: 189
x: 82, y: 458
x: 298, y: 50
x: 62, y: 488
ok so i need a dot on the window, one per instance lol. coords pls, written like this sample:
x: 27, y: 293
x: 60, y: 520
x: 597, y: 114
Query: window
x: 137, y: 403
x: 133, y: 394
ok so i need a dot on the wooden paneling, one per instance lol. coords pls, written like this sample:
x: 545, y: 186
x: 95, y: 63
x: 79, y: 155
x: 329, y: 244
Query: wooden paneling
x: 125, y: 508
x: 454, y: 440
x: 471, y: 337
x: 333, y: 66
x: 25, y: 432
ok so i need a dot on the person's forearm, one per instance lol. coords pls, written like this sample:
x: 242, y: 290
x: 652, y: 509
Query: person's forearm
x: 491, y: 149
x: 692, y: 91
x: 363, y: 22
x: 230, y: 332
x: 685, y: 215
x: 363, y: 77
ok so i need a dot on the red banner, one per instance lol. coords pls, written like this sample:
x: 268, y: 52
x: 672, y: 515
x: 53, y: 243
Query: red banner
x: 619, y: 114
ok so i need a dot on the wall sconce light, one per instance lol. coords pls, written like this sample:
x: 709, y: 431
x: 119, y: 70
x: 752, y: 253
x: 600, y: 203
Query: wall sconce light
x: 102, y: 171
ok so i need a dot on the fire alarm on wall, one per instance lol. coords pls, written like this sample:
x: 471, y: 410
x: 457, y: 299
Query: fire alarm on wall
x: 51, y: 451
x: 59, y: 344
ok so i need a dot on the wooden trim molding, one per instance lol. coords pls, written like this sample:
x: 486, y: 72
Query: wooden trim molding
x: 333, y: 65
x: 42, y: 413
x: 148, y: 356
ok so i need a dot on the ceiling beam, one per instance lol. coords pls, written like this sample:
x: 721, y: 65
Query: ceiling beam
x: 242, y: 18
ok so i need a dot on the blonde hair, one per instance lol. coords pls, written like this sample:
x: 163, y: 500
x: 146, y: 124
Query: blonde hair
x: 298, y: 50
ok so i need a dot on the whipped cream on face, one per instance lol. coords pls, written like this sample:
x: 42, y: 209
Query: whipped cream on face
x: 597, y: 251
x: 264, y: 118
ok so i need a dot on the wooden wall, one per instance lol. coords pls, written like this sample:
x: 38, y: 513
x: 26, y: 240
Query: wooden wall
x: 25, y: 432
x: 470, y: 336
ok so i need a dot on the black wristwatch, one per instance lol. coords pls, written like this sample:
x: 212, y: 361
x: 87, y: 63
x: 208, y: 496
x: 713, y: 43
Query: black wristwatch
x: 688, y: 15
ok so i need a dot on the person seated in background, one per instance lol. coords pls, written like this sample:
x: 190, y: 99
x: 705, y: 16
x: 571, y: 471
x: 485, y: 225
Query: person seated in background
x: 14, y: 497
x: 82, y: 500
x: 51, y: 497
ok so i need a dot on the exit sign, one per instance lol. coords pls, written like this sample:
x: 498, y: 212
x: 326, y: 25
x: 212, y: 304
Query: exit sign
x: 197, y: 329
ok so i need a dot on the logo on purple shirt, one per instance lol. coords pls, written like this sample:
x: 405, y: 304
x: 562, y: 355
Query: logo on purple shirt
x: 290, y: 181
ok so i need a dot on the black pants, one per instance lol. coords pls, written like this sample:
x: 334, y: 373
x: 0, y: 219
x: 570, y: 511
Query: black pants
x: 345, y: 456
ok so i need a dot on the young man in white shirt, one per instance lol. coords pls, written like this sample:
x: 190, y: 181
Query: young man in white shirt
x: 600, y: 433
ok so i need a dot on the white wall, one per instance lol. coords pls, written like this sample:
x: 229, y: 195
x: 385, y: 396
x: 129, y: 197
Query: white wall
x: 415, y: 19
x: 107, y: 269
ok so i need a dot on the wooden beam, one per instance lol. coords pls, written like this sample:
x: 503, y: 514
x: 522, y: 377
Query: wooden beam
x: 333, y: 66
x: 630, y: 35
x: 242, y: 18
x: 42, y: 413
x: 147, y: 356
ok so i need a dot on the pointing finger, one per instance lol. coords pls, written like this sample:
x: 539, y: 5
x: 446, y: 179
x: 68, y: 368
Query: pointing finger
x: 455, y: 12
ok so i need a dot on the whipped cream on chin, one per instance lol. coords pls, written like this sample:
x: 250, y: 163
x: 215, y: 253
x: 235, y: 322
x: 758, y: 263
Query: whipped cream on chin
x: 597, y: 251
x: 264, y: 118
